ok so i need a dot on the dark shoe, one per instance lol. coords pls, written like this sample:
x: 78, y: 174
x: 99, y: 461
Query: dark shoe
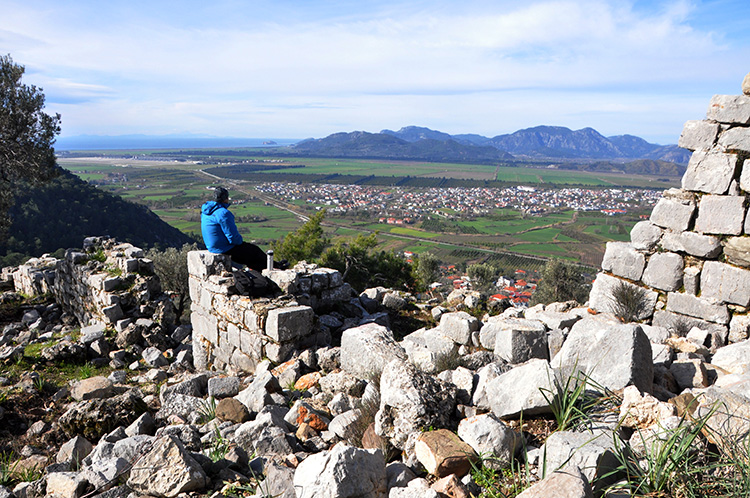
x: 281, y: 265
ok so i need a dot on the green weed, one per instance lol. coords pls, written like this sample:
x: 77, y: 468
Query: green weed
x: 207, y: 410
x: 219, y: 447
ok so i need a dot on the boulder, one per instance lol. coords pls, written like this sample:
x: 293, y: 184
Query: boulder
x: 612, y: 354
x: 569, y: 483
x: 602, y: 298
x: 91, y: 388
x: 232, y: 410
x: 674, y: 210
x: 709, y: 171
x: 74, y: 451
x: 331, y: 474
x: 66, y: 485
x: 721, y: 214
x: 459, y: 326
x: 731, y: 109
x: 442, y: 453
x: 645, y: 235
x: 698, y: 135
x: 522, y: 390
x: 664, y: 271
x: 593, y: 454
x: 623, y: 260
x: 725, y: 283
x: 737, y: 251
x: 734, y: 358
x: 518, y: 340
x: 491, y: 438
x: 365, y: 350
x: 223, y: 386
x: 94, y: 418
x: 258, y: 393
x: 167, y: 470
x: 410, y: 401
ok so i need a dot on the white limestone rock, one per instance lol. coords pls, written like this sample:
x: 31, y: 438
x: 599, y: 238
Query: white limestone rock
x: 612, y: 354
x: 490, y: 437
x: 725, y: 283
x: 698, y: 135
x: 645, y: 235
x: 521, y: 390
x: 721, y: 214
x: 674, y: 210
x: 710, y: 172
x: 342, y: 472
x: 365, y: 350
x: 601, y: 297
x: 518, y: 340
x: 167, y: 470
x: 698, y: 307
x: 731, y: 109
x: 569, y: 482
x: 734, y: 358
x: 458, y: 326
x: 623, y: 260
x: 664, y: 271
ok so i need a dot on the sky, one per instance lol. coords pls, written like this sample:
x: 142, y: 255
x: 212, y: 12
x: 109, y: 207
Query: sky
x: 299, y: 69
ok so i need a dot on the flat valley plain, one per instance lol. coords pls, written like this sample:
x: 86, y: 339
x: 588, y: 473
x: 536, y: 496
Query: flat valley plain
x: 174, y: 184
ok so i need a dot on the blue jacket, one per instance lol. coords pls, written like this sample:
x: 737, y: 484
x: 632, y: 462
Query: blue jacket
x: 217, y: 224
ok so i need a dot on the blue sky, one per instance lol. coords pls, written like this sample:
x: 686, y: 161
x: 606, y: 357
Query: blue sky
x: 297, y: 69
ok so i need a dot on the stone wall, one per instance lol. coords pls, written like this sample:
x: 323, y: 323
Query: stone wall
x: 692, y: 256
x: 234, y: 332
x: 106, y: 282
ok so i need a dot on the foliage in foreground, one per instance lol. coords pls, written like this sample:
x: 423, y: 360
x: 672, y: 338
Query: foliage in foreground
x: 363, y: 266
x: 171, y: 267
x: 560, y: 282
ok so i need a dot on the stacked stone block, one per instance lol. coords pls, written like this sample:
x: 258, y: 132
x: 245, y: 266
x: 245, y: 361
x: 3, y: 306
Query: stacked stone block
x: 693, y: 254
x: 123, y: 286
x: 235, y: 332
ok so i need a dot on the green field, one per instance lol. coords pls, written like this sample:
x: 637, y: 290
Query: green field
x: 175, y: 190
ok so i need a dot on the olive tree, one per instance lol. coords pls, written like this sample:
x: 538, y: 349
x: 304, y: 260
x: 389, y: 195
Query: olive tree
x: 27, y: 135
x: 171, y: 267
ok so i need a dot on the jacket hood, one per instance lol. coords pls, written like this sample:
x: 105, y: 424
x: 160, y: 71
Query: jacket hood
x: 211, y: 206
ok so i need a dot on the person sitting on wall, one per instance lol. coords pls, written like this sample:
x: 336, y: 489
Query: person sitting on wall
x: 221, y: 236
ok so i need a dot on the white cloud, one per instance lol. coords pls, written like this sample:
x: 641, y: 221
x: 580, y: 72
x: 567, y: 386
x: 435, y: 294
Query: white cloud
x: 383, y: 67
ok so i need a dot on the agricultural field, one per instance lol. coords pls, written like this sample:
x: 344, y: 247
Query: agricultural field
x: 175, y: 188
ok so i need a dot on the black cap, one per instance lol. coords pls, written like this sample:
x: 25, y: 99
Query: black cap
x: 221, y: 194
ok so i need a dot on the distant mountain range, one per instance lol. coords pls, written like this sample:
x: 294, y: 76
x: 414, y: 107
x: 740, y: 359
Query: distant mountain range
x: 388, y: 146
x: 557, y: 142
x: 539, y: 144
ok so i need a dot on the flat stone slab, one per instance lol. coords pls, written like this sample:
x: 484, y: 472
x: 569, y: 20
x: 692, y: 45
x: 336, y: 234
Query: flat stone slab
x: 721, y: 214
x: 725, y: 283
x: 698, y: 135
x: 674, y: 210
x: 733, y: 109
x: 664, y: 271
x: 709, y: 171
x: 622, y: 259
x: 687, y: 304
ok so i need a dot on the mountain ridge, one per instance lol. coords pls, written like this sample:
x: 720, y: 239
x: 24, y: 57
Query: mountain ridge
x: 547, y: 141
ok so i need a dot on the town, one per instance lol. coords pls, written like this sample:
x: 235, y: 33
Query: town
x: 410, y: 205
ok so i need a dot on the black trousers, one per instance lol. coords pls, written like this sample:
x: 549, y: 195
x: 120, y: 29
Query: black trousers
x: 250, y: 255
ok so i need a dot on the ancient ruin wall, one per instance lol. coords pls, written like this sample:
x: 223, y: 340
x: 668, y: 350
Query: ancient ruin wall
x: 106, y: 282
x: 235, y: 332
x: 692, y: 256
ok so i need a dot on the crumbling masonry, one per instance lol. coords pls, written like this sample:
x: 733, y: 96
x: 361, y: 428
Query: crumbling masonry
x: 693, y: 255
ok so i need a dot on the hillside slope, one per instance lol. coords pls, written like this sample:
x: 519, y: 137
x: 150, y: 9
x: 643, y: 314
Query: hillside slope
x: 62, y: 212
